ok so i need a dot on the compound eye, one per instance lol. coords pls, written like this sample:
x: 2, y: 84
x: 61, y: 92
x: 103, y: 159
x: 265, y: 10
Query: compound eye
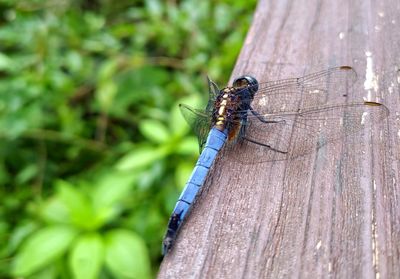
x: 246, y: 81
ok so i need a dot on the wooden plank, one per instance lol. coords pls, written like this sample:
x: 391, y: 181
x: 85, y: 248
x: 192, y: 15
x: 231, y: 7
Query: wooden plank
x: 333, y: 213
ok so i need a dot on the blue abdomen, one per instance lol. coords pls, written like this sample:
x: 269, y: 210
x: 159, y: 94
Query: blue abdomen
x: 215, y: 141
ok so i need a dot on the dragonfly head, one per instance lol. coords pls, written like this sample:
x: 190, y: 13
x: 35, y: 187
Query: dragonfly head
x: 247, y: 82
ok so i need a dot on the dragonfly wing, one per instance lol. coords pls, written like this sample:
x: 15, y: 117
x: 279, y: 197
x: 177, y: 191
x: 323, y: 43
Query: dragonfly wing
x: 293, y: 134
x: 304, y: 92
x: 199, y: 121
x: 213, y: 92
x: 212, y: 88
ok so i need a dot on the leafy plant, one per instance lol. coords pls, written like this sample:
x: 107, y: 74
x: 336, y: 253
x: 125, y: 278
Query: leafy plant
x: 94, y: 151
x: 75, y: 227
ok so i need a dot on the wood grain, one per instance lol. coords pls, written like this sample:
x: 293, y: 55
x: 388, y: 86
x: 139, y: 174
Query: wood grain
x: 332, y: 213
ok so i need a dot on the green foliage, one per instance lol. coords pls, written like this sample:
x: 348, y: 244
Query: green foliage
x: 94, y: 151
x: 86, y: 257
x: 42, y: 248
x: 126, y: 255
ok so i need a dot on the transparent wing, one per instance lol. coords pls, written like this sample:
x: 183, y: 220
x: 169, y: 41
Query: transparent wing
x: 213, y: 92
x: 293, y: 134
x: 212, y: 88
x: 304, y: 92
x: 199, y: 121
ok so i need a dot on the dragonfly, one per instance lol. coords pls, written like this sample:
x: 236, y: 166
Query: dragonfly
x: 277, y: 120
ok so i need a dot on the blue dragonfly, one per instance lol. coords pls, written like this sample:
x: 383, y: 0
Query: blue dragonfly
x: 276, y: 120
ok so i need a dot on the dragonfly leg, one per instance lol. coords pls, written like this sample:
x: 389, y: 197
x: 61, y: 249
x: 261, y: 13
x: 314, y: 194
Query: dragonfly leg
x: 266, y: 145
x: 262, y: 118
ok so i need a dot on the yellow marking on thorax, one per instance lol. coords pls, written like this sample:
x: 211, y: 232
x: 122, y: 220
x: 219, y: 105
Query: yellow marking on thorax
x: 221, y: 118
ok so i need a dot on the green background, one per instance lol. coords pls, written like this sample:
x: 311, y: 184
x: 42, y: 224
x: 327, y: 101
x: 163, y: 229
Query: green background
x: 94, y: 151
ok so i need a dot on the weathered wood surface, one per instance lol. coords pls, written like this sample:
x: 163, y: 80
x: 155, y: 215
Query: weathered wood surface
x: 333, y: 213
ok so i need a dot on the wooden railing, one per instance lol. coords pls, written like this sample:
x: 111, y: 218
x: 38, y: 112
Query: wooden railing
x: 328, y: 214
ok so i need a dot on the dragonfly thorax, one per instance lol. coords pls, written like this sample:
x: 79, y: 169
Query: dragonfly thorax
x: 233, y: 102
x: 226, y: 105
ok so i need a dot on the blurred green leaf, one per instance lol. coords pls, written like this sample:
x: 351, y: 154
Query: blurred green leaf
x: 193, y: 101
x: 49, y: 272
x: 19, y: 234
x: 107, y: 70
x: 182, y: 174
x: 5, y: 62
x: 140, y: 157
x: 188, y: 146
x: 75, y: 200
x: 86, y: 257
x: 154, y: 8
x: 177, y: 123
x: 154, y: 131
x: 27, y: 173
x: 79, y: 206
x: 42, y: 248
x: 105, y: 94
x: 112, y: 187
x: 223, y: 17
x: 74, y: 61
x: 126, y: 255
x: 55, y: 211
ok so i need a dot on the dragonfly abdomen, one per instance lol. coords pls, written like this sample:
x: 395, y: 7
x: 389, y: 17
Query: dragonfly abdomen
x: 215, y: 141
